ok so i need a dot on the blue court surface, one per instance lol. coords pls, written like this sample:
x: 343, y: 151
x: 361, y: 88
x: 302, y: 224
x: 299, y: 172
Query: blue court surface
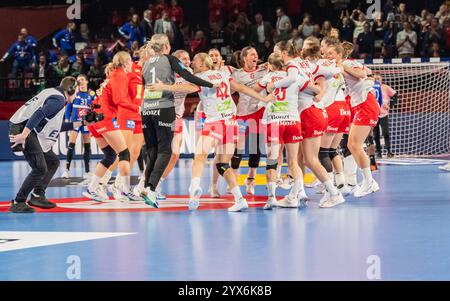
x: 400, y: 233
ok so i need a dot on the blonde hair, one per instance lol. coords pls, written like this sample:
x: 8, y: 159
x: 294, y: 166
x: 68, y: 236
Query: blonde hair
x: 206, y: 60
x: 347, y: 49
x: 108, y: 69
x: 276, y: 61
x: 179, y: 52
x: 120, y: 59
x: 313, y: 41
x: 287, y: 46
x: 158, y: 41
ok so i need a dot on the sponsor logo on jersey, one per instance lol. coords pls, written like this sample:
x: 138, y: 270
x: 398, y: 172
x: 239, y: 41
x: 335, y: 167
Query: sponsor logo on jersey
x: 131, y: 124
x: 287, y: 122
x: 101, y: 129
x: 165, y: 124
x: 297, y: 138
x: 318, y: 133
x: 278, y: 117
x: 149, y: 105
x: 115, y: 123
x: 331, y: 129
x: 151, y: 113
x: 345, y: 112
x: 373, y: 122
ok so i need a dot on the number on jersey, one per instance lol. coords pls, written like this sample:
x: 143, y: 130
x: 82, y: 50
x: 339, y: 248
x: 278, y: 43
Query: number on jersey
x: 222, y: 91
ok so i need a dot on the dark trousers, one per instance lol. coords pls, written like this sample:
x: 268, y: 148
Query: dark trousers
x: 383, y: 123
x: 158, y: 135
x: 43, y: 167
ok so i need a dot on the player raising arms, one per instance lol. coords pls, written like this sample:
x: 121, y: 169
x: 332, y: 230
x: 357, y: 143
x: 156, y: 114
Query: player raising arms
x: 283, y: 127
x: 366, y: 111
x: 75, y: 112
x: 250, y: 112
x: 313, y: 122
x: 107, y: 132
x: 220, y: 127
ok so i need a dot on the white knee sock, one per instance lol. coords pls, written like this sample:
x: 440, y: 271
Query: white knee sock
x: 236, y: 191
x: 279, y: 167
x: 350, y: 168
x: 271, y: 188
x: 125, y: 183
x: 195, y: 182
x: 93, y: 185
x: 367, y: 174
x: 330, y: 187
x: 296, y: 188
x: 340, y: 178
x: 105, y: 179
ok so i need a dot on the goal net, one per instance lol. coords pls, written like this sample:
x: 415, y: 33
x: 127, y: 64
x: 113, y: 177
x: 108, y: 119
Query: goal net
x: 419, y: 123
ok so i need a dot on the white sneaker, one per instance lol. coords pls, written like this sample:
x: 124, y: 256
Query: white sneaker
x: 333, y: 200
x: 214, y: 192
x: 250, y: 186
x: 240, y: 205
x: 159, y: 195
x: 194, y: 199
x: 65, y: 174
x: 325, y: 198
x: 271, y: 203
x: 320, y: 188
x: 445, y: 167
x: 88, y: 175
x: 287, y: 183
x: 288, y: 202
x: 132, y: 197
x: 345, y: 190
x: 101, y: 190
x: 138, y: 189
x: 279, y: 182
x: 366, y: 188
x: 303, y: 199
x: 93, y: 195
x: 116, y: 193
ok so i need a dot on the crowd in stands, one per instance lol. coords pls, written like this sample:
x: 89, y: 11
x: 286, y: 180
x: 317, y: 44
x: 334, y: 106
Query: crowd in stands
x: 394, y: 32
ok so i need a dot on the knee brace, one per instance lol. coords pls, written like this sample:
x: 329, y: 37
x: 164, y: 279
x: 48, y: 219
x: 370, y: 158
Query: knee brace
x: 222, y: 168
x: 253, y: 160
x: 236, y: 160
x: 324, y: 158
x: 124, y: 155
x: 110, y: 156
x: 272, y: 164
x: 333, y: 153
x: 344, y: 147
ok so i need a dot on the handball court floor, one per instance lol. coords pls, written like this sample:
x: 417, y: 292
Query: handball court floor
x: 403, y: 231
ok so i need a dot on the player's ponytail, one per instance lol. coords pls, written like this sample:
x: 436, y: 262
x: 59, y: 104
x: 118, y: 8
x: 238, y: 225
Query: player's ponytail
x: 158, y: 42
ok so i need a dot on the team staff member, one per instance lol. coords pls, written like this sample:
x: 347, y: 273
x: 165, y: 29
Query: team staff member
x: 75, y: 112
x: 36, y: 126
x: 158, y: 109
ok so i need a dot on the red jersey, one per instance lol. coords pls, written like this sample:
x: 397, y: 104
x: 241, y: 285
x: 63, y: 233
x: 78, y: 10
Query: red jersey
x: 115, y: 95
x: 135, y: 92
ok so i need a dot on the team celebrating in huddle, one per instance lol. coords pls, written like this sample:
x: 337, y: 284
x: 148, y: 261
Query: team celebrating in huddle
x: 307, y: 103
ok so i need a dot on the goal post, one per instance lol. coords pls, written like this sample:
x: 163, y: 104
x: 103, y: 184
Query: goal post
x: 419, y: 123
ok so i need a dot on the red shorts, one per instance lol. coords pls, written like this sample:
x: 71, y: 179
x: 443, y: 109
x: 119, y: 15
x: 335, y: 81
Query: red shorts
x: 314, y: 122
x: 251, y: 123
x: 178, y: 126
x: 338, y: 117
x: 130, y: 125
x: 348, y: 100
x: 284, y: 132
x: 223, y: 130
x: 107, y: 125
x: 367, y: 113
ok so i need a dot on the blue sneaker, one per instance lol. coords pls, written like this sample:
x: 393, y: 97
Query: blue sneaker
x: 149, y: 198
